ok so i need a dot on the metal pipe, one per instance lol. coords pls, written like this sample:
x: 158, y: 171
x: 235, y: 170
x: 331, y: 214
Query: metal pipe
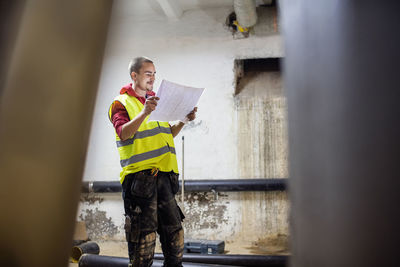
x: 234, y: 259
x: 90, y: 260
x: 183, y: 171
x: 224, y: 185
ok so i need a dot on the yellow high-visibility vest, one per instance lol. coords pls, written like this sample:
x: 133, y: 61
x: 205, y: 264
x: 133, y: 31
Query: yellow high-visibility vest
x: 152, y: 146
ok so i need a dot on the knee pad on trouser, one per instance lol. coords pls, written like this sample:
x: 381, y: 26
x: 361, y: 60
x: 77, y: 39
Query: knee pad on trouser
x: 144, y: 252
x: 132, y: 226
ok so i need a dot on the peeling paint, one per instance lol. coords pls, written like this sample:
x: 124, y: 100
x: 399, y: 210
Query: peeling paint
x: 91, y: 198
x: 98, y: 226
x: 204, y: 211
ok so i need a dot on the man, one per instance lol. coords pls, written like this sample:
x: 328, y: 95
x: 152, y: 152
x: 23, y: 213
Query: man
x: 149, y: 174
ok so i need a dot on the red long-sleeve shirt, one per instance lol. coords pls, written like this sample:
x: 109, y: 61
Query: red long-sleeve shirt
x: 119, y: 114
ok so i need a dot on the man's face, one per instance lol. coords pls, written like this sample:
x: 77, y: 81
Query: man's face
x: 144, y: 80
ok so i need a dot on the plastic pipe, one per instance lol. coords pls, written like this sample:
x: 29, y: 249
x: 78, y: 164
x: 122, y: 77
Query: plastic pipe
x: 234, y: 259
x: 89, y: 260
x: 225, y: 185
x: 84, y: 248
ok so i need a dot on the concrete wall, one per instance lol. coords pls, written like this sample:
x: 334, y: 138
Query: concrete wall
x: 262, y: 152
x: 197, y: 50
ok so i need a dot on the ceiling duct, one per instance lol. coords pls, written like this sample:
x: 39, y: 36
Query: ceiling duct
x: 246, y: 14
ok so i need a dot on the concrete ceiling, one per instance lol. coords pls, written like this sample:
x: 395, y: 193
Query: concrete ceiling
x: 171, y: 9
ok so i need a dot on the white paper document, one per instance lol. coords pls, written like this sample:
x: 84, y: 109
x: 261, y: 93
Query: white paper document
x: 176, y: 101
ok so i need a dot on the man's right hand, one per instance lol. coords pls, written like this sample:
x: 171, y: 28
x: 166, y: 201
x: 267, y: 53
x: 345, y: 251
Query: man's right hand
x: 130, y: 128
x: 150, y: 104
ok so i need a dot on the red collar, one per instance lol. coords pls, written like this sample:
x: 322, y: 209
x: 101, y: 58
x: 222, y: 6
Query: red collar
x: 129, y: 90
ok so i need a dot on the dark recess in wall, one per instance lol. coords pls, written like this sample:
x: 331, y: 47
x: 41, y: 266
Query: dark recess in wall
x: 247, y: 67
x: 261, y: 64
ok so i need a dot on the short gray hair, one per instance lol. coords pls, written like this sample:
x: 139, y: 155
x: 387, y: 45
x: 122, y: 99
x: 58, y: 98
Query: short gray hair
x: 136, y: 64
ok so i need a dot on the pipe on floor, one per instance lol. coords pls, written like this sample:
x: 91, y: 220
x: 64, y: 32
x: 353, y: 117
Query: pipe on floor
x: 90, y: 260
x: 234, y: 259
x: 224, y: 185
x: 84, y: 248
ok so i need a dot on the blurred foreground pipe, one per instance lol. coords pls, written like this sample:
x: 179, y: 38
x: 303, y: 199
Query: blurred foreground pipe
x: 89, y: 260
x: 233, y: 259
x: 342, y: 83
x: 84, y: 248
x: 225, y: 185
x: 49, y: 85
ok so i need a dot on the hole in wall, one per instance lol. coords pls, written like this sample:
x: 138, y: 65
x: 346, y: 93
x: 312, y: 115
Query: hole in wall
x: 249, y: 68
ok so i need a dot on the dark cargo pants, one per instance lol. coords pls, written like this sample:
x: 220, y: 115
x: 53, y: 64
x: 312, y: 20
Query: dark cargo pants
x: 150, y: 206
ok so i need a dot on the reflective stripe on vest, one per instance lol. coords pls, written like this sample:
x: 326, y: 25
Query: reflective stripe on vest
x: 143, y: 134
x: 147, y: 155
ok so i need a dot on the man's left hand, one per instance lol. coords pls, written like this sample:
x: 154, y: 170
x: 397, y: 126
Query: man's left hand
x: 192, y: 115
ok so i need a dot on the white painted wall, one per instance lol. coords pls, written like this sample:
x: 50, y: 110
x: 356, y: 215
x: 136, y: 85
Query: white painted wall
x: 197, y: 50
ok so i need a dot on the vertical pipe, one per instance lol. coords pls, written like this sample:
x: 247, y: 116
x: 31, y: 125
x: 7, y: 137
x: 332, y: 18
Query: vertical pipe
x: 245, y: 12
x: 183, y: 171
x: 45, y: 115
x: 342, y: 84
